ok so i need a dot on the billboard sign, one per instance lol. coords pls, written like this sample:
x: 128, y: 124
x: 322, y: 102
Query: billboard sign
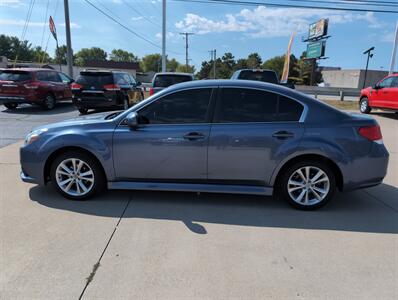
x: 316, y: 49
x: 318, y: 29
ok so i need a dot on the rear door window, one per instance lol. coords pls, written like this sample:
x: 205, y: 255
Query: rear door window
x: 289, y: 110
x: 95, y: 79
x: 387, y: 82
x: 15, y: 75
x: 237, y: 105
x: 168, y: 80
x: 42, y: 76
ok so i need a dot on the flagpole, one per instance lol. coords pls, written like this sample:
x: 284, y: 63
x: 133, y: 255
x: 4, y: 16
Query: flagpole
x: 394, y: 51
x: 59, y: 58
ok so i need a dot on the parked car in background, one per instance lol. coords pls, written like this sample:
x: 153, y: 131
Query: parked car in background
x: 260, y: 75
x: 44, y: 87
x: 383, y: 95
x: 95, y: 89
x: 163, y: 80
x: 224, y: 136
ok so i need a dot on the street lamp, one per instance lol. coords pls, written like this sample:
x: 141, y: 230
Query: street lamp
x: 370, y: 55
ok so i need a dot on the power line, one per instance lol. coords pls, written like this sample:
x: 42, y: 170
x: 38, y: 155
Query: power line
x: 44, y: 25
x: 25, y: 28
x: 122, y: 25
x: 140, y: 14
x: 253, y: 3
x: 350, y: 3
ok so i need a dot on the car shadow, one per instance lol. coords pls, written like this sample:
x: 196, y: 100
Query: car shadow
x: 26, y: 109
x: 355, y: 211
x: 390, y: 115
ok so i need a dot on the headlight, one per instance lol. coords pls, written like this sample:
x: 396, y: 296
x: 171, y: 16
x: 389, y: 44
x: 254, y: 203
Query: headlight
x: 34, y: 136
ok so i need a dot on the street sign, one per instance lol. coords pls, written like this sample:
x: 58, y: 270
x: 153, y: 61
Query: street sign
x: 316, y: 49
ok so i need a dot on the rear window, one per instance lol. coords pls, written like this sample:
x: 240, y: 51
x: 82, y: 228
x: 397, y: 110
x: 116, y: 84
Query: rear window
x: 264, y: 76
x: 95, y: 79
x: 167, y: 80
x: 15, y: 75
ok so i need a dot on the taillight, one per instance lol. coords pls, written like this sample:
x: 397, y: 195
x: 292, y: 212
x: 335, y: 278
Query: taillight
x: 32, y: 85
x: 112, y: 87
x: 151, y: 91
x: 75, y: 86
x: 372, y: 133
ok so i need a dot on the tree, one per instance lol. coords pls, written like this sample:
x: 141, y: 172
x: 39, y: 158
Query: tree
x: 12, y: 48
x: 206, y: 70
x: 61, y: 55
x: 151, y: 62
x: 122, y: 55
x: 40, y: 56
x: 185, y: 69
x: 303, y: 68
x: 172, y: 65
x: 226, y: 66
x: 277, y: 63
x: 254, y: 61
x: 87, y: 54
x: 241, y: 64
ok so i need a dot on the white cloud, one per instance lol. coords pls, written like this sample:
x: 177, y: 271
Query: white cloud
x: 270, y: 22
x: 11, y: 3
x: 13, y: 22
x: 137, y: 18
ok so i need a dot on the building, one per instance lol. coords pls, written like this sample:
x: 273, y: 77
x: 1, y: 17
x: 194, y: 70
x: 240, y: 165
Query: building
x: 351, y: 78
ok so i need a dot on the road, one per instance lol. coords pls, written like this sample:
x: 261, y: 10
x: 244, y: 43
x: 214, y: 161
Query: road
x: 146, y: 245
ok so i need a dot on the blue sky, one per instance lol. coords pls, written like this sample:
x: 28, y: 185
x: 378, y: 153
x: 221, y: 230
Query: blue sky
x: 237, y: 29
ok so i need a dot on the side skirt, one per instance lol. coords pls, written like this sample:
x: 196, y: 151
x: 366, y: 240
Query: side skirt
x: 191, y: 187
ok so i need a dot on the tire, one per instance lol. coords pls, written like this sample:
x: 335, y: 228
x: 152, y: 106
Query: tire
x: 83, y: 110
x: 364, y: 106
x: 300, y: 192
x: 11, y: 106
x: 126, y: 103
x: 49, y: 102
x: 93, y: 180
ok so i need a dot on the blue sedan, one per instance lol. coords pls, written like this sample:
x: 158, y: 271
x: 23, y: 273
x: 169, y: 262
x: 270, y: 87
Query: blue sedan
x: 222, y: 136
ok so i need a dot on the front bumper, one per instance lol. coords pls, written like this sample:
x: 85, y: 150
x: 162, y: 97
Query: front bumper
x: 28, y: 179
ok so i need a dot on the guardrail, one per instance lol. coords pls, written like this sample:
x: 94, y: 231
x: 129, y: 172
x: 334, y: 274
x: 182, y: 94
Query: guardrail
x: 329, y: 91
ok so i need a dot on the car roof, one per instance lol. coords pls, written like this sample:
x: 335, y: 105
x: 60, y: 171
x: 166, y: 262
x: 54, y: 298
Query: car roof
x: 29, y: 69
x: 174, y: 73
x: 255, y: 70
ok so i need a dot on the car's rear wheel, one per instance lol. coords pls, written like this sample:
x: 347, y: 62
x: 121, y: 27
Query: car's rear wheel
x: 126, y: 103
x: 77, y: 175
x: 364, y: 106
x: 83, y: 110
x: 49, y: 102
x: 11, y: 106
x: 308, y: 185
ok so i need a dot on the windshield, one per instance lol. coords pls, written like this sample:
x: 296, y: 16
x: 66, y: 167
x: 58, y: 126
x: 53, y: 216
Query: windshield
x: 15, y: 75
x: 168, y: 80
x: 264, y: 76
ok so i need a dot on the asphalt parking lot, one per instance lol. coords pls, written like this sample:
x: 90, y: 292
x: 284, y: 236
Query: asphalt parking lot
x: 147, y: 245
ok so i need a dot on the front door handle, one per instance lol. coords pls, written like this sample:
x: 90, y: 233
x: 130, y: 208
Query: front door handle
x: 192, y: 136
x: 283, y: 134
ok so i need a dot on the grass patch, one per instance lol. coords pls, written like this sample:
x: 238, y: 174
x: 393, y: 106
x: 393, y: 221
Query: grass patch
x: 343, y: 105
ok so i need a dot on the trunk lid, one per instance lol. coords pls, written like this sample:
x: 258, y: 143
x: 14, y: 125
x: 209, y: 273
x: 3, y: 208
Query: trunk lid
x: 12, y: 82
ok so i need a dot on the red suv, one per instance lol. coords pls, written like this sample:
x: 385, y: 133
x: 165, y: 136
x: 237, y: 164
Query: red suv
x: 383, y: 95
x: 33, y: 86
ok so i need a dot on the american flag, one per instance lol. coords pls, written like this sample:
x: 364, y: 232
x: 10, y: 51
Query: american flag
x: 52, y: 28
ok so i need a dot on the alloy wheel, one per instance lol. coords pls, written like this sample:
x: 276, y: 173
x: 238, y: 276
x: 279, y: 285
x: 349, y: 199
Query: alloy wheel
x: 74, y: 177
x: 364, y: 105
x: 308, y: 185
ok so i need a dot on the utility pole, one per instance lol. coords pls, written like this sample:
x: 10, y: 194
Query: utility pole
x: 394, y: 51
x: 164, y: 36
x: 69, y: 58
x: 186, y: 47
x: 370, y: 55
x: 214, y: 63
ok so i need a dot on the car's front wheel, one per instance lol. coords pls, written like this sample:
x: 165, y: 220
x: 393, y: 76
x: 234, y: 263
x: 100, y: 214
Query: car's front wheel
x: 308, y: 185
x: 364, y: 106
x: 11, y: 106
x: 77, y: 175
x: 83, y: 110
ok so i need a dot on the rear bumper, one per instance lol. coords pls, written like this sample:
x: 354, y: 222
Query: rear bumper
x: 366, y: 171
x: 94, y: 102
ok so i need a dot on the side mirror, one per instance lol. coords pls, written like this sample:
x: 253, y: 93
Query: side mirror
x: 139, y: 83
x: 132, y: 120
x: 376, y: 87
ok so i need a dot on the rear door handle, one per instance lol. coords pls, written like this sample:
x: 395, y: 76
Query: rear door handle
x: 283, y: 134
x: 192, y: 136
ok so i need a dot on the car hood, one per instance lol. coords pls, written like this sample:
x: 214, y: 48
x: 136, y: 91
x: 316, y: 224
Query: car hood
x: 79, y: 121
